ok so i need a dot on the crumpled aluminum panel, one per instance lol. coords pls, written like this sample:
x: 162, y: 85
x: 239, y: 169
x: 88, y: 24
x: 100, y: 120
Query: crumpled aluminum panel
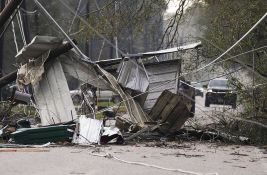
x: 133, y: 76
x: 52, y: 96
x: 38, y: 46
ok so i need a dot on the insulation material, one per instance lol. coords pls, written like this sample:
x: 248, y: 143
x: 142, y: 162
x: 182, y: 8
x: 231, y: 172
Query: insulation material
x: 89, y: 131
x: 38, y: 46
x: 31, y: 73
x: 52, y: 96
x: 133, y: 76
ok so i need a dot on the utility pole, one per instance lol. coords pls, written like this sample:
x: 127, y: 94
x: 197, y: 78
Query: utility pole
x: 253, y: 84
x: 87, y: 45
x: 116, y: 38
x: 8, y: 10
x: 2, y: 41
x: 25, y: 24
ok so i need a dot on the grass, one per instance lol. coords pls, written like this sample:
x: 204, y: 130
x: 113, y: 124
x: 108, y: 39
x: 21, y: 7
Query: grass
x: 19, y: 109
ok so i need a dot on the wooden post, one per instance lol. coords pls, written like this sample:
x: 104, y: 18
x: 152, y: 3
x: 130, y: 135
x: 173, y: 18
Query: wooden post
x: 2, y: 6
x: 8, y: 10
x: 25, y: 24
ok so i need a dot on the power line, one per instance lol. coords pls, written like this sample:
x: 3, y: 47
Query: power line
x: 236, y: 60
x: 122, y: 52
x: 92, y: 28
x: 236, y: 43
x: 72, y: 22
x: 84, y: 58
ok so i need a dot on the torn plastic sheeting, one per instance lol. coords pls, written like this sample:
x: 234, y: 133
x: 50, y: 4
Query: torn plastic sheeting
x: 38, y: 46
x: 31, y: 73
x: 89, y: 131
x: 133, y: 76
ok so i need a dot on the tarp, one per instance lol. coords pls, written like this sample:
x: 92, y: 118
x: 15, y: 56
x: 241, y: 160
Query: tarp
x: 31, y: 73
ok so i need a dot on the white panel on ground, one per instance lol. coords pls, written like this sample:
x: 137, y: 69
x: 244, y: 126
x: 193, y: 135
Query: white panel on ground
x: 89, y: 131
x: 52, y: 96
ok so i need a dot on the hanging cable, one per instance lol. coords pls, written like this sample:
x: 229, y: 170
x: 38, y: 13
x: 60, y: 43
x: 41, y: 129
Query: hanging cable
x: 236, y: 43
x: 14, y: 37
x: 10, y: 21
x: 72, y: 22
x: 21, y: 28
x: 28, y: 12
x: 90, y: 27
x: 83, y: 57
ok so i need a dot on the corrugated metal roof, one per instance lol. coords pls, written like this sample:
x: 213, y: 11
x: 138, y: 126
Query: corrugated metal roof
x: 52, y: 96
x: 38, y: 46
x: 133, y: 76
x: 162, y: 75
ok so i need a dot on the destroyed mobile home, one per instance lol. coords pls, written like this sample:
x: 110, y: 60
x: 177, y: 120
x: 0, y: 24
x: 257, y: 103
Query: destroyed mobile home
x: 148, y: 90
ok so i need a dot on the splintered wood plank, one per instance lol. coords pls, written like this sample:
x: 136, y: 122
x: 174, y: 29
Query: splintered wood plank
x: 176, y: 119
x: 170, y: 107
x: 159, y: 105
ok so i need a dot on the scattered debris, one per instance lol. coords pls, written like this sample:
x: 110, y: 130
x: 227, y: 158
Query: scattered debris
x: 238, y: 154
x: 41, y: 135
x: 111, y: 135
x: 23, y: 150
x: 87, y: 131
x: 171, y: 110
x: 151, y: 112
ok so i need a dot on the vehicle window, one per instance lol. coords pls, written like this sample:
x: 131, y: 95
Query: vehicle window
x: 220, y: 83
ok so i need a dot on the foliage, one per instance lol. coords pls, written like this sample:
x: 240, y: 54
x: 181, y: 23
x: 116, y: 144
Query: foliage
x: 116, y: 16
x: 225, y: 22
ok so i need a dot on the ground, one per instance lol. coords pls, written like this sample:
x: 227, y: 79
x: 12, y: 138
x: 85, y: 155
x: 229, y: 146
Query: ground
x: 190, y: 156
x: 195, y: 157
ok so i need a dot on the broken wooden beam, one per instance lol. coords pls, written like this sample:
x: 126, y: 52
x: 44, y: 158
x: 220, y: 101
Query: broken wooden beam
x: 53, y: 54
x: 8, y: 10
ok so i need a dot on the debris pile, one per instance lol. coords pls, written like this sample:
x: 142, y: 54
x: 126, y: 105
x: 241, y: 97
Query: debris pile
x: 146, y: 92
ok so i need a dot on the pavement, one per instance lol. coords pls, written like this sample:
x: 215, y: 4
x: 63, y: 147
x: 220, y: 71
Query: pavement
x: 142, y: 158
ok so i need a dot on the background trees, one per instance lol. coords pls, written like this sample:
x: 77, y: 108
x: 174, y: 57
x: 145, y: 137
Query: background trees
x: 224, y: 22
